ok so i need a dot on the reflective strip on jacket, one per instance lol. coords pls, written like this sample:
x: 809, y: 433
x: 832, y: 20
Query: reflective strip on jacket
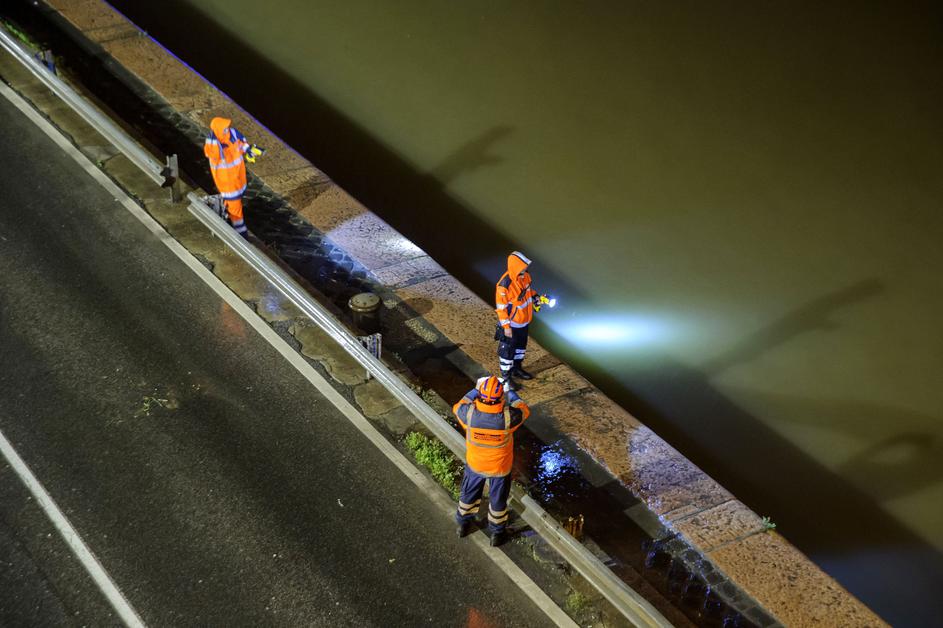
x: 489, y: 432
x: 224, y: 148
x: 513, y: 297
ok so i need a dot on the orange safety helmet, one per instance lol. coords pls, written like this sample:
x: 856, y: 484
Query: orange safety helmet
x: 490, y: 391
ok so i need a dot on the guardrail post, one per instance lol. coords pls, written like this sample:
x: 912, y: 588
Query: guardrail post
x: 374, y: 344
x: 45, y: 57
x: 171, y: 174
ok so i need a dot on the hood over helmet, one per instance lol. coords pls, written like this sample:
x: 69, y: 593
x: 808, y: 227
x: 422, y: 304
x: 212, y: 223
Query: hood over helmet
x: 517, y: 263
x: 219, y: 126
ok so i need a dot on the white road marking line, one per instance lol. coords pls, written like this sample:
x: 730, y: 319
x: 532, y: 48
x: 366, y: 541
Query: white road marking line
x: 105, y: 584
x: 432, y: 490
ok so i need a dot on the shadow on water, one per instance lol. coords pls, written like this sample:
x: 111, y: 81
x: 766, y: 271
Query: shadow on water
x: 813, y: 316
x: 470, y: 156
x: 842, y: 528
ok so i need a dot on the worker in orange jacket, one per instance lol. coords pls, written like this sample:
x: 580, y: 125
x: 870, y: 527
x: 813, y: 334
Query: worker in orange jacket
x: 489, y: 416
x: 227, y: 150
x: 515, y: 302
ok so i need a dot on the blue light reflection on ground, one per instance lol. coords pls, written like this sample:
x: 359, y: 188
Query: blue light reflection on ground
x: 551, y: 464
x: 556, y: 474
x: 270, y: 302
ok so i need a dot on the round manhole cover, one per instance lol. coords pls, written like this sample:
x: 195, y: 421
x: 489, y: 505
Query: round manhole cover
x: 364, y: 302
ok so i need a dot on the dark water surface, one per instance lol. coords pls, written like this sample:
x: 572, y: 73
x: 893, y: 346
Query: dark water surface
x: 737, y: 205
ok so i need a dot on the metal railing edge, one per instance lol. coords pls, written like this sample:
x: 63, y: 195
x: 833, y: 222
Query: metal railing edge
x: 626, y: 600
x: 141, y: 158
x: 320, y: 315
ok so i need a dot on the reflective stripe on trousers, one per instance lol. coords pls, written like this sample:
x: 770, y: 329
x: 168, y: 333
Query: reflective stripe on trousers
x: 473, y: 485
x: 512, y: 350
x: 237, y: 194
x: 234, y: 210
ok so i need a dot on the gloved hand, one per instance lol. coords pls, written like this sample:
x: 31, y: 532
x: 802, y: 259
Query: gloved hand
x: 254, y: 153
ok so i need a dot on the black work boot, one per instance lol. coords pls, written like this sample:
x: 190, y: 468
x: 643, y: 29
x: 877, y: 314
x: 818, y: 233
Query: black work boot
x: 498, y: 538
x: 520, y: 372
x: 463, y: 529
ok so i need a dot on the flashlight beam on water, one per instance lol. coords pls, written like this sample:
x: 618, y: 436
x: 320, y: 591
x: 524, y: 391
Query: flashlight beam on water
x: 609, y: 330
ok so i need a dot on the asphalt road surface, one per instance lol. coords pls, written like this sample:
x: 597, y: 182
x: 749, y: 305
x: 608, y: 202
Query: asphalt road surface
x: 212, y: 481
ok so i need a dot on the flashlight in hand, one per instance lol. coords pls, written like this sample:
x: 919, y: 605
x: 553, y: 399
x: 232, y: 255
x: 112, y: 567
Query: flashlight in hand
x: 254, y: 153
x: 543, y: 300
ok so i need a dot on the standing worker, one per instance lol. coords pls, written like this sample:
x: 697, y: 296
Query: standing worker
x: 225, y: 147
x: 489, y: 416
x: 515, y: 303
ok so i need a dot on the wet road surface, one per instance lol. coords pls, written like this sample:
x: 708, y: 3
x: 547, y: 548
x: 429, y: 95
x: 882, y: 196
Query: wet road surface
x: 213, y: 483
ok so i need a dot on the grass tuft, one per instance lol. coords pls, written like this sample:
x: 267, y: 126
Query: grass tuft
x: 575, y: 602
x: 437, y: 458
x: 22, y: 36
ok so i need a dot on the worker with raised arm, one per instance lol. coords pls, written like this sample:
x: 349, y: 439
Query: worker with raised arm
x: 227, y: 151
x: 489, y: 416
x: 515, y: 303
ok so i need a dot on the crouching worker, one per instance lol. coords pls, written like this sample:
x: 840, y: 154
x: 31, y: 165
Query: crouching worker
x: 489, y: 416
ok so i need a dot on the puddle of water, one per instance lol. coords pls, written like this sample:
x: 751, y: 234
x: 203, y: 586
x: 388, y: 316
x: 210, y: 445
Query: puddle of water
x: 555, y: 477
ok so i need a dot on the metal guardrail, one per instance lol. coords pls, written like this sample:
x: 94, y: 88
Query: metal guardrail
x: 628, y: 602
x: 141, y: 158
x: 326, y: 321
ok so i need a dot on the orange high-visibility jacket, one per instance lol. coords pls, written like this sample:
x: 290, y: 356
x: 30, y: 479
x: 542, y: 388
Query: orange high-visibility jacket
x: 489, y: 432
x: 513, y: 297
x: 224, y: 147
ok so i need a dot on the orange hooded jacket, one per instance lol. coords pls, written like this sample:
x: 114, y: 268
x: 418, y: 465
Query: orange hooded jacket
x: 224, y: 148
x: 514, y: 298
